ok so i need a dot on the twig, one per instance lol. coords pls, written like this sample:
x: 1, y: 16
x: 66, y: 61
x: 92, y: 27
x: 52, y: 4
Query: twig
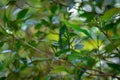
x: 31, y: 5
x: 34, y: 48
x: 109, y: 39
x: 57, y: 2
x: 100, y: 73
x: 104, y: 75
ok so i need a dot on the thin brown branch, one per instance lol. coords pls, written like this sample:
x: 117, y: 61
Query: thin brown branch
x: 104, y: 75
x: 30, y: 5
x: 109, y: 39
x: 57, y: 2
x: 34, y: 48
x: 29, y: 45
x: 99, y: 72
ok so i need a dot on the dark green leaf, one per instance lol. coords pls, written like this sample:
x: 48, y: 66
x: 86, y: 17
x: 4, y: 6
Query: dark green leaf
x: 38, y: 26
x: 90, y: 61
x: 80, y: 72
x: 1, y: 44
x: 62, y: 32
x: 3, y: 78
x: 114, y: 66
x: 1, y: 66
x: 88, y: 15
x: 22, y: 13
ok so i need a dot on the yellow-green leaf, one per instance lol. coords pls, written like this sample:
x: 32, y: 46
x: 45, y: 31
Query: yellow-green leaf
x: 110, y: 13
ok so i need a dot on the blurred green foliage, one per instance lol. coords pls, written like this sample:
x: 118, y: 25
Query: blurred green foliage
x: 59, y: 39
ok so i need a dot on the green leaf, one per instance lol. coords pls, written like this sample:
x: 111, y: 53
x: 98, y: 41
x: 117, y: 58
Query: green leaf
x: 115, y: 37
x: 13, y: 25
x: 57, y: 69
x: 2, y: 34
x: 1, y: 43
x: 88, y: 15
x: 61, y: 52
x: 80, y: 73
x: 110, y: 13
x: 5, y: 18
x: 77, y: 28
x: 62, y: 31
x: 114, y: 66
x: 110, y: 47
x: 22, y: 13
x: 3, y: 78
x: 38, y: 26
x: 53, y: 8
x: 1, y: 66
x: 90, y: 61
x: 11, y: 2
x: 47, y: 78
x: 73, y: 56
